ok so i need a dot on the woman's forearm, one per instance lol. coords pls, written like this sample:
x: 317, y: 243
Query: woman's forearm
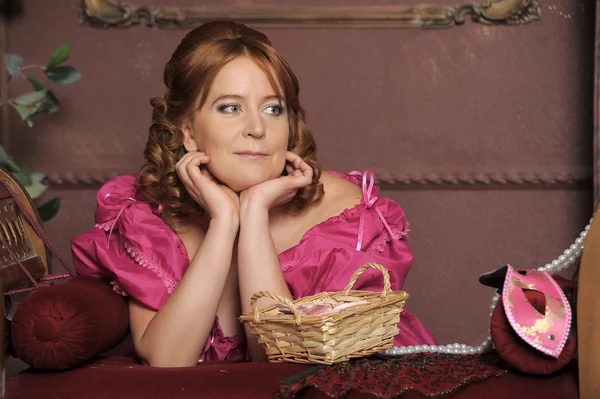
x: 258, y: 266
x: 176, y: 335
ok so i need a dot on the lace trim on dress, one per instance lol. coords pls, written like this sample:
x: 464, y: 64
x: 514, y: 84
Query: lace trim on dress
x: 143, y: 260
x: 381, y: 242
x: 107, y: 225
x: 117, y: 288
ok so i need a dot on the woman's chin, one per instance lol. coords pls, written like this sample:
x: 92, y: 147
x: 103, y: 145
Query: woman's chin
x: 239, y: 185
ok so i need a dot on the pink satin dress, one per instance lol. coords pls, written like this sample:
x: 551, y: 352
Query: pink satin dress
x: 138, y: 253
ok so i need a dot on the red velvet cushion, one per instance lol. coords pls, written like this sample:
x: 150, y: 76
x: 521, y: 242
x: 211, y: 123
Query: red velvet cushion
x: 516, y: 351
x: 63, y: 326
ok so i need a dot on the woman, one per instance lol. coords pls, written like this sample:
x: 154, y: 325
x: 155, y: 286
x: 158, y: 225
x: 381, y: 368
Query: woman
x: 232, y: 201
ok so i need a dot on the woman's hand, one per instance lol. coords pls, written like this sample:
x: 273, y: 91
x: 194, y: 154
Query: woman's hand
x: 281, y: 190
x: 218, y: 200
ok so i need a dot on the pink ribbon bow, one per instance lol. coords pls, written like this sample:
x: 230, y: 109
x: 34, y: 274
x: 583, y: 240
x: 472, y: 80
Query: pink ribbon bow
x: 369, y: 199
x: 124, y: 203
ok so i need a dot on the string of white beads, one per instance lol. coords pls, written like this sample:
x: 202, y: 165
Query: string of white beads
x: 566, y: 259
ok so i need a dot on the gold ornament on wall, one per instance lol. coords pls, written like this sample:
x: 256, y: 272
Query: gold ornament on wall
x: 117, y: 14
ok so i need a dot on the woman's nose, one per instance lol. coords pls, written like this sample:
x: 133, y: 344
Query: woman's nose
x: 255, y: 126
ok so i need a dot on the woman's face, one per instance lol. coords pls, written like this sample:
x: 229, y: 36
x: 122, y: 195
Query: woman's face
x: 242, y: 126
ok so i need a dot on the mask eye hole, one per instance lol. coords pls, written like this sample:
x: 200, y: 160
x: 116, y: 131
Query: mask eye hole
x: 540, y: 304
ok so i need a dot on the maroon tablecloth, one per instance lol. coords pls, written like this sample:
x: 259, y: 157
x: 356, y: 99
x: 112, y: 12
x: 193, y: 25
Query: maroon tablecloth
x: 123, y: 378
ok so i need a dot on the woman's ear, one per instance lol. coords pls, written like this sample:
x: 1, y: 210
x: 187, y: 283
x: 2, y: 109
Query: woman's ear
x: 189, y: 142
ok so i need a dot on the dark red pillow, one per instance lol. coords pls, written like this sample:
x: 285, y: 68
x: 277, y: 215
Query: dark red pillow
x: 63, y: 326
x: 516, y: 352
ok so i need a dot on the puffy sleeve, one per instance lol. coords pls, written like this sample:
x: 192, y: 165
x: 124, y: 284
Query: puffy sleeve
x: 131, y: 246
x: 329, y: 254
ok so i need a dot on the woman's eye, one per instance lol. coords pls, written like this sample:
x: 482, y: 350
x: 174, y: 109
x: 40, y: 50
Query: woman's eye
x: 274, y: 110
x: 230, y: 109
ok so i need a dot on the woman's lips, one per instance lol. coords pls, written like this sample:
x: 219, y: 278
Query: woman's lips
x: 251, y: 154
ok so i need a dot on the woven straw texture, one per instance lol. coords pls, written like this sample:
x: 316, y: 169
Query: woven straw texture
x: 355, y: 331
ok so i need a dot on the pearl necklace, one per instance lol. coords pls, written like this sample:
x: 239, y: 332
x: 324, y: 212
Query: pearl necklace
x: 568, y: 257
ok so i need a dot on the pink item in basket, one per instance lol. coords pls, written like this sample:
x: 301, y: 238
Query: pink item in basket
x: 323, y: 308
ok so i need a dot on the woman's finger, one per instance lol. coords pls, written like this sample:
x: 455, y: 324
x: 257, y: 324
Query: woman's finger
x: 305, y: 168
x: 298, y: 162
x: 302, y: 173
x: 186, y: 157
x: 292, y: 157
x: 305, y: 171
x: 195, y: 161
x: 195, y: 166
x: 183, y: 175
x: 183, y: 160
x: 182, y: 166
x: 295, y: 162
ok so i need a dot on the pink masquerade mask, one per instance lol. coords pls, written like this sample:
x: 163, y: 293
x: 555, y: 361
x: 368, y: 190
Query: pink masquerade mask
x: 547, y: 332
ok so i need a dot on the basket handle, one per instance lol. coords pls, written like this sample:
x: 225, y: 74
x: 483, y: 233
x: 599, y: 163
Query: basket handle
x: 264, y: 294
x: 371, y: 265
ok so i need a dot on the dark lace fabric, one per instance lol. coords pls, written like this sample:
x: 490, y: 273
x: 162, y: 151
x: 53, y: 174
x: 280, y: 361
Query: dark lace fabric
x: 430, y: 374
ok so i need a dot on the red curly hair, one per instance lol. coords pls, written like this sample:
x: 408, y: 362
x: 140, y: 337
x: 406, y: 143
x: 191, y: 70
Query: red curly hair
x: 188, y: 76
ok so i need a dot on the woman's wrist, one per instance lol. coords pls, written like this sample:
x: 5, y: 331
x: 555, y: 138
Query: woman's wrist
x: 226, y: 224
x: 252, y: 209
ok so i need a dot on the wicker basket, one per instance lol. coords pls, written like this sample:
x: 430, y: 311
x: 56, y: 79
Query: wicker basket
x: 356, y: 331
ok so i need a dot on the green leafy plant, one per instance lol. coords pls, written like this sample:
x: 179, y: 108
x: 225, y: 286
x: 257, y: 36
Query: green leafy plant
x: 28, y: 105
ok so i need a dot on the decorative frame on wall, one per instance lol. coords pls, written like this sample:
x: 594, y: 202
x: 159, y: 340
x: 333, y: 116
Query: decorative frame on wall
x: 110, y: 14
